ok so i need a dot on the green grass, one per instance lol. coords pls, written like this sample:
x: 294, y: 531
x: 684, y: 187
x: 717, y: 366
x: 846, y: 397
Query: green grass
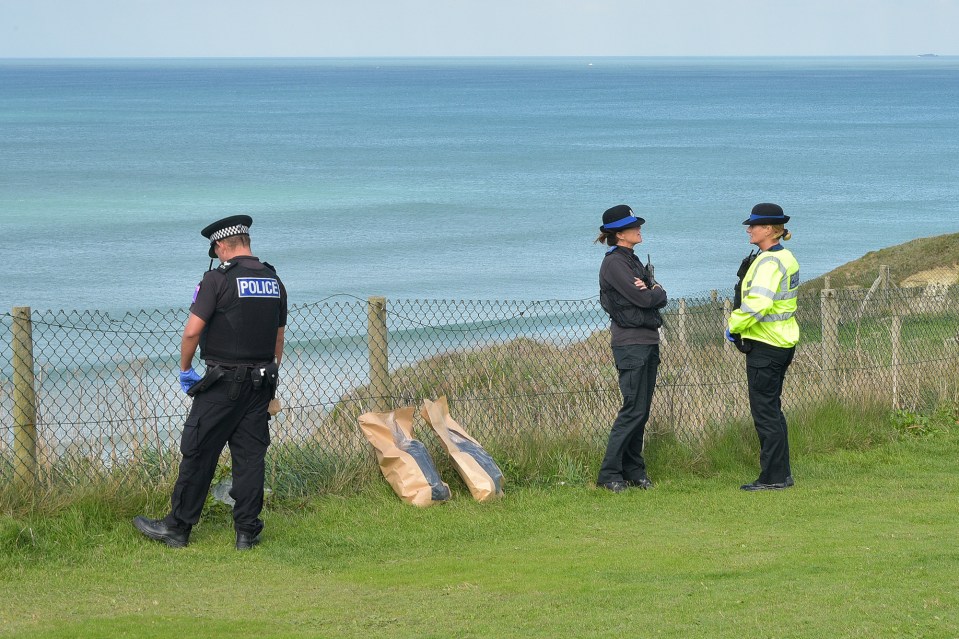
x: 903, y: 260
x: 864, y: 546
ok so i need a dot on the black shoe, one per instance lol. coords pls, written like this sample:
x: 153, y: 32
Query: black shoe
x: 156, y: 529
x: 643, y: 483
x: 615, y: 486
x: 789, y: 481
x: 757, y: 485
x: 246, y: 541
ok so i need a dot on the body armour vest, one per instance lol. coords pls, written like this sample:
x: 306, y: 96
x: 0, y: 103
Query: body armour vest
x: 624, y: 312
x: 243, y: 330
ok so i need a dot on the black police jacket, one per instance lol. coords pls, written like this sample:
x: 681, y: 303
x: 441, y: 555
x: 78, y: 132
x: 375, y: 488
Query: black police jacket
x: 640, y: 311
x: 250, y: 308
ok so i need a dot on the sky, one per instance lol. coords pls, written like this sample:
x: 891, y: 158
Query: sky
x: 359, y: 28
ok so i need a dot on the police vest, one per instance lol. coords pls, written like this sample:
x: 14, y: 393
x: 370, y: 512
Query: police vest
x: 243, y: 330
x: 770, y: 291
x: 621, y: 310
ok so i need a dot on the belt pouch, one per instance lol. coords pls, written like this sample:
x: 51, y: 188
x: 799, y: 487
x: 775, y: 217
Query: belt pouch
x: 238, y: 376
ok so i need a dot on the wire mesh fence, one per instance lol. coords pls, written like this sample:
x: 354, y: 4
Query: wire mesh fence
x: 84, y: 395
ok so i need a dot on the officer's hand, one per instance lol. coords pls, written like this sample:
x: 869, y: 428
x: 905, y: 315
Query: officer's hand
x: 640, y: 284
x: 188, y: 379
x: 729, y: 336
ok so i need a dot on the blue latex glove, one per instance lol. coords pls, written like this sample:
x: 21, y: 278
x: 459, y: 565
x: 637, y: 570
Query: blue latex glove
x: 188, y: 379
x: 729, y: 336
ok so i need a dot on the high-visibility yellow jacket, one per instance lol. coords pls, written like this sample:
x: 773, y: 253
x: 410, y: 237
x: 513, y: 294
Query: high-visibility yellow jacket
x: 770, y: 291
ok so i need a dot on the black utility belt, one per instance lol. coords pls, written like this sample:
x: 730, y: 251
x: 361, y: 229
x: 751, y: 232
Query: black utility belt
x: 232, y: 366
x: 261, y: 374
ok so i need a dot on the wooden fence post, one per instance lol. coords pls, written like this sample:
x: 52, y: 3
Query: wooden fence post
x: 681, y: 328
x: 896, y: 342
x: 830, y: 338
x: 24, y: 401
x: 885, y: 275
x: 377, y: 339
x: 891, y: 303
x: 727, y: 311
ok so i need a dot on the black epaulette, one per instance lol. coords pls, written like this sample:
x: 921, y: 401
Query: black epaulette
x: 226, y: 266
x: 269, y: 266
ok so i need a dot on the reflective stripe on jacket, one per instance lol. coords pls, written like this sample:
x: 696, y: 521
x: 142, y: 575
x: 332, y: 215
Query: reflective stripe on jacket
x: 768, y: 309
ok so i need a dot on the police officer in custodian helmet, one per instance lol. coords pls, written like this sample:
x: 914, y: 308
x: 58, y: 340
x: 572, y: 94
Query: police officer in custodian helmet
x: 237, y: 319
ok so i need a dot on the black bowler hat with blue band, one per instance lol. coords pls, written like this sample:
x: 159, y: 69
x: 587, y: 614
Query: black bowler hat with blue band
x: 767, y: 213
x: 620, y: 218
x: 227, y: 227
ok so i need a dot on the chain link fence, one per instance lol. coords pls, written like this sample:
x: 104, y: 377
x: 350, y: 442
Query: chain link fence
x: 84, y: 396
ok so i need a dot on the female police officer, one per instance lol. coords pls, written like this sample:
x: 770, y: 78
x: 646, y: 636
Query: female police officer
x: 238, y: 320
x: 632, y: 299
x: 766, y: 325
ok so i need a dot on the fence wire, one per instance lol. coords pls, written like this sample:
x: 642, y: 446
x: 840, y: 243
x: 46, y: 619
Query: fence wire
x: 101, y: 397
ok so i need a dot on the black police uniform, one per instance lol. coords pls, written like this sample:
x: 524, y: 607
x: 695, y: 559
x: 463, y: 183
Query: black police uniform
x: 634, y: 325
x: 244, y: 304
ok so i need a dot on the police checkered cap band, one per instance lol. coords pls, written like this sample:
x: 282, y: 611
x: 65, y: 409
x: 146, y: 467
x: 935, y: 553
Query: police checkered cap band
x: 230, y: 231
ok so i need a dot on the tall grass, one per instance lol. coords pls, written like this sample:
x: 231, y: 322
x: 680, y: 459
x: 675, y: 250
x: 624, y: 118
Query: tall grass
x: 531, y: 458
x: 542, y: 408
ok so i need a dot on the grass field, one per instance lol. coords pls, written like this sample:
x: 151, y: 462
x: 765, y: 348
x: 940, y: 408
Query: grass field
x: 864, y: 546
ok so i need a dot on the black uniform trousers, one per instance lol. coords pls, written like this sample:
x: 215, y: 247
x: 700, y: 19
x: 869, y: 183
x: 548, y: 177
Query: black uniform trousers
x: 637, y: 365
x: 214, y: 421
x: 765, y: 371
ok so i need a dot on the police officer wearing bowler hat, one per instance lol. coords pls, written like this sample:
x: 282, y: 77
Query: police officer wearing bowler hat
x: 237, y: 319
x: 632, y: 298
x: 763, y: 325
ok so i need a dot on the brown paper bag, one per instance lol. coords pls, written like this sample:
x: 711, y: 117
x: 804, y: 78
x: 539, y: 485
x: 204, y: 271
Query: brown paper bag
x: 477, y: 468
x: 404, y: 461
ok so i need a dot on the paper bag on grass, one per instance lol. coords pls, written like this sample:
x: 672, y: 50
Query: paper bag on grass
x: 404, y: 461
x: 477, y: 468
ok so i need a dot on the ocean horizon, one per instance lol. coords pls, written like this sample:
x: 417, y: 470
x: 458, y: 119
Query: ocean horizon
x: 458, y: 178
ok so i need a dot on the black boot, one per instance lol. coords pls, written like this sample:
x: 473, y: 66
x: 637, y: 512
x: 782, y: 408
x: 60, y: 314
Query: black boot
x: 158, y: 530
x: 246, y: 541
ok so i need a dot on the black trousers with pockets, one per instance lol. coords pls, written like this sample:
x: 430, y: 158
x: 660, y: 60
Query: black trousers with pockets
x: 765, y: 371
x: 637, y: 365
x: 215, y: 420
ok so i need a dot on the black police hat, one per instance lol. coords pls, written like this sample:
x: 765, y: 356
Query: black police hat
x: 620, y: 218
x: 767, y: 213
x: 227, y: 227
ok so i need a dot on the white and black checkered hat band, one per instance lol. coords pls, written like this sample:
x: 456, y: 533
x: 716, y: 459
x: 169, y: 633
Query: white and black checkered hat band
x: 230, y: 231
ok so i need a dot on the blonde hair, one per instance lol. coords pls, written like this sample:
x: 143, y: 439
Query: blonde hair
x: 781, y: 231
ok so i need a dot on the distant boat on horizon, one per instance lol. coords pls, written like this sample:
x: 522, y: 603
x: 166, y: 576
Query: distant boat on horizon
x: 928, y: 55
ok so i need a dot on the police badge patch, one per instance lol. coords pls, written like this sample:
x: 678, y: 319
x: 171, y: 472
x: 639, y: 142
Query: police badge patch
x: 257, y: 287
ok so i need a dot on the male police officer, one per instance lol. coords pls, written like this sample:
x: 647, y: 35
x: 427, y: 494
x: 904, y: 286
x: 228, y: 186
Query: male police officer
x: 237, y: 318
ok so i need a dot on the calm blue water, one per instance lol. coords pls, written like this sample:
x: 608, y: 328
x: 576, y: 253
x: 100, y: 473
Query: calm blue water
x: 457, y: 178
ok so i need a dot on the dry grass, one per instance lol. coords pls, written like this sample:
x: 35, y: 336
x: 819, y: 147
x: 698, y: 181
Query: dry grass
x: 516, y: 397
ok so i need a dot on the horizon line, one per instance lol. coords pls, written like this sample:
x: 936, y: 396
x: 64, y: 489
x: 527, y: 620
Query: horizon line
x: 479, y: 56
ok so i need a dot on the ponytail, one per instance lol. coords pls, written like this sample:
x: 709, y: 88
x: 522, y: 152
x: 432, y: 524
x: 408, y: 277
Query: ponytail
x: 607, y: 238
x: 783, y: 232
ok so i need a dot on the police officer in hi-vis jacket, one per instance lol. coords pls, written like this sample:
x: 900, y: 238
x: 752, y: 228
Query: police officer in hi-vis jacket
x: 763, y: 325
x: 237, y: 319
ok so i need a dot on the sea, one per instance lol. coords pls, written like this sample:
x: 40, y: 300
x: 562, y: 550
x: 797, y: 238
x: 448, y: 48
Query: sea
x: 459, y: 178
